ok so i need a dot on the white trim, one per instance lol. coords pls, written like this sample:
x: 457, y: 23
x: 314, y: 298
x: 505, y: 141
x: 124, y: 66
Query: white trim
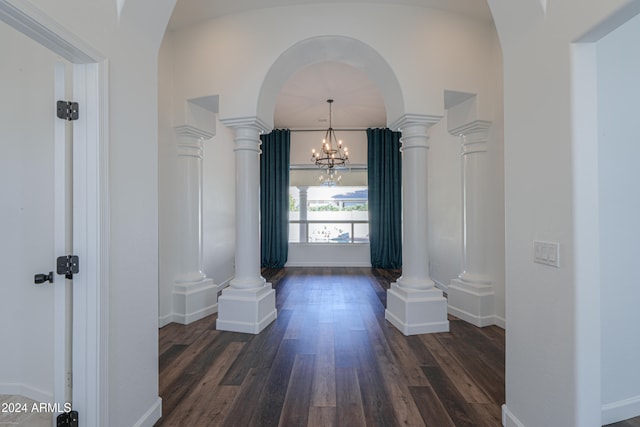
x: 177, y: 318
x: 61, y: 289
x: 587, y: 364
x: 153, y: 414
x: 331, y: 263
x: 621, y: 410
x: 508, y: 419
x: 26, y: 390
x: 479, y: 321
x: 91, y: 203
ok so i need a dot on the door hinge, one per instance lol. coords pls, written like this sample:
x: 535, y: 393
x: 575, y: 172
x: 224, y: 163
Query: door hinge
x: 67, y: 110
x: 67, y: 419
x: 68, y: 265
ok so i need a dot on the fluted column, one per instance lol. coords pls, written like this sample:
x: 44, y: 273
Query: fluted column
x: 471, y: 294
x: 414, y: 304
x: 248, y: 304
x: 194, y: 295
x: 303, y: 192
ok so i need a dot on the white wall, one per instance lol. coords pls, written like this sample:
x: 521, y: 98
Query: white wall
x: 234, y: 53
x: 445, y: 205
x: 618, y: 92
x: 551, y: 368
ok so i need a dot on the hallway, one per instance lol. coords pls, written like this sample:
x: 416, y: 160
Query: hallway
x: 330, y: 359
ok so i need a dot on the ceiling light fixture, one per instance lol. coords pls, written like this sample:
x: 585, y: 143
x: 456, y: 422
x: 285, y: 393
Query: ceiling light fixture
x: 332, y: 153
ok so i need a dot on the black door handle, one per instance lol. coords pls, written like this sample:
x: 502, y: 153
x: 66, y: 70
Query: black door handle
x: 41, y: 278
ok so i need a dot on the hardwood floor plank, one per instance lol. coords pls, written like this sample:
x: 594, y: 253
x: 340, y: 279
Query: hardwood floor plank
x: 349, y: 408
x: 476, y: 342
x: 324, y: 416
x: 455, y: 371
x: 197, y: 408
x: 260, y: 351
x: 433, y: 412
x: 295, y: 411
x: 185, y: 380
x: 486, y: 414
x: 483, y: 375
x: 450, y: 398
x: 377, y: 404
x: 244, y: 405
x: 271, y: 400
x: 395, y: 379
x: 324, y: 379
x: 169, y: 356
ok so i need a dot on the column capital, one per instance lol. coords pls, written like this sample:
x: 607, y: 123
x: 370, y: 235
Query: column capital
x: 409, y: 120
x: 247, y: 132
x: 475, y: 127
x: 252, y: 122
x: 190, y: 131
x: 474, y: 136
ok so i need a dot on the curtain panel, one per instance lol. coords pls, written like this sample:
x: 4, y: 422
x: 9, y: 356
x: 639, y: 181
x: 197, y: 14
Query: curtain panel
x: 385, y: 197
x: 274, y: 198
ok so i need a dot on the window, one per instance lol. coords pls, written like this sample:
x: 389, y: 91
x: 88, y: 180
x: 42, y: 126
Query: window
x: 328, y: 214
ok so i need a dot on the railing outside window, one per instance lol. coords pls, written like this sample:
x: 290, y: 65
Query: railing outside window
x: 327, y: 231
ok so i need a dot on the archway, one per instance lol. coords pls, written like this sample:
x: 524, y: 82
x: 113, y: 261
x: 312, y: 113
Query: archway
x: 331, y: 48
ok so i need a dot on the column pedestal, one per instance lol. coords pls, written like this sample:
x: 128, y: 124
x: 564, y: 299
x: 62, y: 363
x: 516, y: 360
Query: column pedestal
x: 414, y: 304
x: 471, y: 296
x: 415, y: 311
x: 246, y: 310
x: 249, y: 303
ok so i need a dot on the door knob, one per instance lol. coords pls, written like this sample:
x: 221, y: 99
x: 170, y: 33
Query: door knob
x: 41, y: 278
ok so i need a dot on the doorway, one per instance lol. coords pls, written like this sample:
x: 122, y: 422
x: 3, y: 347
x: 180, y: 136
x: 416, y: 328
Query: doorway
x: 40, y: 61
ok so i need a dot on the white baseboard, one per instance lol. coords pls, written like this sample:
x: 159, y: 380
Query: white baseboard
x: 27, y: 391
x: 508, y: 419
x: 621, y: 410
x: 327, y: 264
x: 153, y: 414
x: 471, y: 318
x: 199, y: 313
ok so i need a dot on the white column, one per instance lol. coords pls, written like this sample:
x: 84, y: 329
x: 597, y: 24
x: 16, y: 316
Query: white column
x: 471, y: 294
x: 414, y: 304
x: 194, y: 295
x: 303, y: 192
x: 248, y: 304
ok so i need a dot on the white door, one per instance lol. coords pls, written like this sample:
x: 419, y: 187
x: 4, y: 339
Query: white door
x: 35, y: 214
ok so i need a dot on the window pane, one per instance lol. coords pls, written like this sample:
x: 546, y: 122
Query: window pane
x: 337, y: 214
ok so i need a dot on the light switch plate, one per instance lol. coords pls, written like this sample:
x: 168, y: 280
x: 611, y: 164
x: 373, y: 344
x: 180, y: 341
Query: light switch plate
x: 547, y: 253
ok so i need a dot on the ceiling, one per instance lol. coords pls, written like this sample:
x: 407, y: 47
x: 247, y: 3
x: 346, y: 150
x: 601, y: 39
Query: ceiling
x: 301, y: 103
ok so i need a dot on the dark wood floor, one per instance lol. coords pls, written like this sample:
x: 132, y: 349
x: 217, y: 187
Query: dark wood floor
x: 330, y: 359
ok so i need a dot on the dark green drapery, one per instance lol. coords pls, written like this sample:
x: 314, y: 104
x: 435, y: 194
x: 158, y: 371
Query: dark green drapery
x: 385, y: 197
x: 274, y: 198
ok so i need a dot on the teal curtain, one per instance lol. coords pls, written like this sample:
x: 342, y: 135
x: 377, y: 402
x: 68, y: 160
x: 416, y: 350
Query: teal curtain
x: 385, y: 197
x: 274, y: 198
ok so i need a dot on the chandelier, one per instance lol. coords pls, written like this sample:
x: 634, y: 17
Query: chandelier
x: 332, y: 153
x: 330, y: 179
